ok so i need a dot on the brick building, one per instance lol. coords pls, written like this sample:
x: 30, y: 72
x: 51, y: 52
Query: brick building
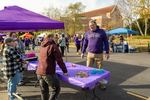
x: 107, y: 18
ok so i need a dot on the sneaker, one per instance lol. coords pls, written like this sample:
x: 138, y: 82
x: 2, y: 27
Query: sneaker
x: 18, y: 94
x: 102, y: 86
x: 78, y: 53
x: 21, y: 83
x: 1, y: 69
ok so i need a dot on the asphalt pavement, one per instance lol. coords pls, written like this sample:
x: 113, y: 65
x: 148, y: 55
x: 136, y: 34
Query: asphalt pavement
x: 129, y: 79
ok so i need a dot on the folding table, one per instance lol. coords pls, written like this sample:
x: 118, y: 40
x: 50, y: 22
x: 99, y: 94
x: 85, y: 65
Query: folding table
x: 87, y: 83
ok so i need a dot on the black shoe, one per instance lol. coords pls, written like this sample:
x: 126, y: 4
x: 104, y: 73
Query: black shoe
x: 102, y: 86
x: 84, y: 88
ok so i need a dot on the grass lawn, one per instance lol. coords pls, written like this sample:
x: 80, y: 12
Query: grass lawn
x: 72, y: 44
x: 132, y: 42
x: 135, y: 42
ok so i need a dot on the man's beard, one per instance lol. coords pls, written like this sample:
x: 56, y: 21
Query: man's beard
x: 93, y: 30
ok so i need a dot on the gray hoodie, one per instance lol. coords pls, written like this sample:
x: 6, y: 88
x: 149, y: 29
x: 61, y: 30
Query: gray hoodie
x: 62, y: 42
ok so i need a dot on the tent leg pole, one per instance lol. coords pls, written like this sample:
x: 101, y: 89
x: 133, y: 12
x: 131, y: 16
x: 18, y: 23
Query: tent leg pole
x: 37, y: 41
x: 140, y: 43
x: 128, y: 42
x: 65, y: 48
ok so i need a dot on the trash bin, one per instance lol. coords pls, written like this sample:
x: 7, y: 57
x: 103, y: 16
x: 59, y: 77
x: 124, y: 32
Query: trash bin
x: 148, y: 47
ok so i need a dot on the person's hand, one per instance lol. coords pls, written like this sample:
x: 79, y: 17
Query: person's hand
x: 107, y: 56
x: 66, y: 74
x: 82, y: 55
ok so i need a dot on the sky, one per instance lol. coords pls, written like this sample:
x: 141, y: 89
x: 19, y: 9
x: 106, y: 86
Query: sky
x: 38, y: 5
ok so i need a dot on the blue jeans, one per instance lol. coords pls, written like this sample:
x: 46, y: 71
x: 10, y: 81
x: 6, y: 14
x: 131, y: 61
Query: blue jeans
x: 12, y: 85
x: 21, y: 73
x: 67, y: 45
x: 21, y: 76
x: 33, y: 46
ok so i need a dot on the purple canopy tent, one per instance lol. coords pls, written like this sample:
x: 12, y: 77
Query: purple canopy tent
x: 14, y: 18
x: 17, y: 19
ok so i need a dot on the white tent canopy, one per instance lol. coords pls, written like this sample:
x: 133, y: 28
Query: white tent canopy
x: 41, y: 35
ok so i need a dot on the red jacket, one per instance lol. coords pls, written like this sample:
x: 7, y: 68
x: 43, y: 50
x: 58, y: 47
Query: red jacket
x: 49, y: 53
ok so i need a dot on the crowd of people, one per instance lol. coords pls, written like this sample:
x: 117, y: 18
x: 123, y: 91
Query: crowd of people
x: 14, y: 51
x: 111, y: 42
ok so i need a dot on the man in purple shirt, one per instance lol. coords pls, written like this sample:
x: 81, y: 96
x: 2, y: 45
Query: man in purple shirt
x: 94, y: 39
x: 77, y: 42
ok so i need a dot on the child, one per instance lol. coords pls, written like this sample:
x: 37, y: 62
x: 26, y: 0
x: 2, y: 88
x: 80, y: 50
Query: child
x: 12, y: 66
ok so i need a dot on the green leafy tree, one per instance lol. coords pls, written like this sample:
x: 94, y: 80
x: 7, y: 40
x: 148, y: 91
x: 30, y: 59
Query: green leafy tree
x: 74, y: 15
x: 144, y: 6
x: 142, y: 25
x: 70, y: 15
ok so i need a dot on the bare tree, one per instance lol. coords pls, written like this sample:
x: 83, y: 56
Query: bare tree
x: 125, y: 8
x: 130, y: 11
x: 52, y: 12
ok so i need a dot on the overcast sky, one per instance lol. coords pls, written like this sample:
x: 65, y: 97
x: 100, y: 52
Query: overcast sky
x: 38, y: 5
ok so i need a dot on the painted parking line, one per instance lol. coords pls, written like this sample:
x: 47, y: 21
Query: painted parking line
x: 138, y: 96
x: 148, y: 98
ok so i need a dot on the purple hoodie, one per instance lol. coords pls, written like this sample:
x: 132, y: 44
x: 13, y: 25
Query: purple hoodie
x: 26, y: 41
x: 77, y: 41
x: 94, y: 40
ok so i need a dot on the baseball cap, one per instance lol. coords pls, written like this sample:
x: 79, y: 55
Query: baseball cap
x: 9, y: 40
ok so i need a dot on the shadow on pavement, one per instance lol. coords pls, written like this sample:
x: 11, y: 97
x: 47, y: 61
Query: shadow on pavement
x: 145, y: 86
x: 119, y: 74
